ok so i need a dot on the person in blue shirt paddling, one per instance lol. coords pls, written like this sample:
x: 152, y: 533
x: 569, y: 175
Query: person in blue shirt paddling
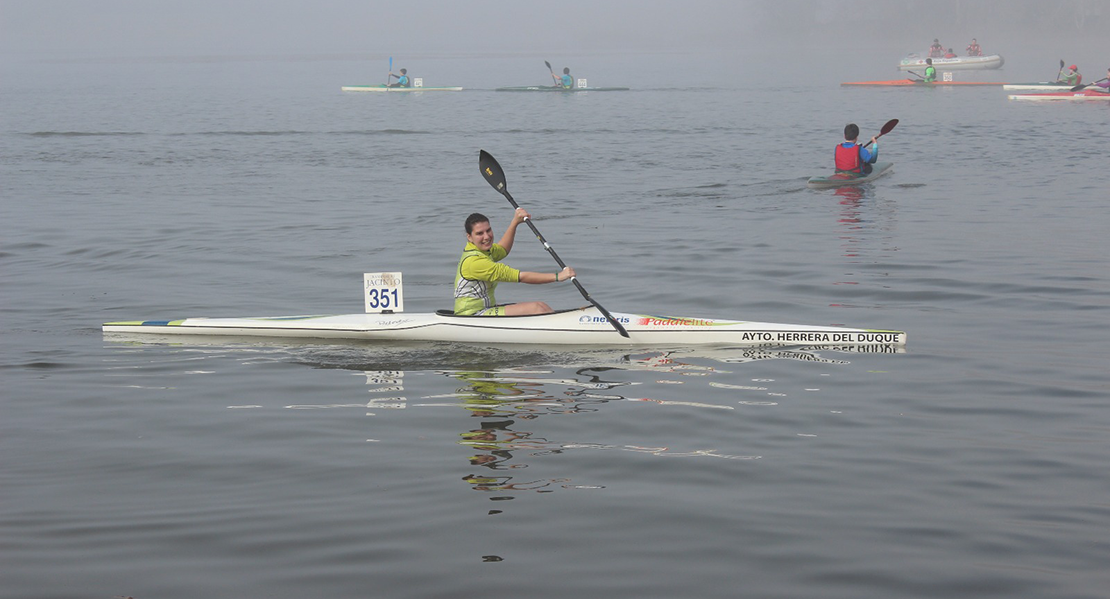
x: 566, y: 81
x: 852, y: 157
x: 402, y: 79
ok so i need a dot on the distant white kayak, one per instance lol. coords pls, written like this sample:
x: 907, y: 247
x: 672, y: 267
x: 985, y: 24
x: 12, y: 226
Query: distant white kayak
x: 1040, y: 86
x: 958, y: 63
x: 581, y: 326
x: 385, y: 89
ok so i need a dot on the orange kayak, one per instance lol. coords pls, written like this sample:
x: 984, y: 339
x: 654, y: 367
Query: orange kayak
x: 919, y: 83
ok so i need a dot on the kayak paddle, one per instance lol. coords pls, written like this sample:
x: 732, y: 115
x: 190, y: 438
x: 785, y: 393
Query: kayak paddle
x: 887, y: 128
x: 493, y: 174
x: 1079, y: 87
x: 550, y: 70
x: 390, y: 71
x: 1061, y: 71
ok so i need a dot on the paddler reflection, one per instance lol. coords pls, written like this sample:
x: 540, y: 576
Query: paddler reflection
x: 495, y: 444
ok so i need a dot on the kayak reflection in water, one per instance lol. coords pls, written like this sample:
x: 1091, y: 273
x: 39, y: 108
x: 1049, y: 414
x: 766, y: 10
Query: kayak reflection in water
x: 480, y: 271
x: 852, y: 157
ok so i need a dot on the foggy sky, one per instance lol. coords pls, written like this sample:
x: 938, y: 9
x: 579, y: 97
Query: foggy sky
x: 260, y: 27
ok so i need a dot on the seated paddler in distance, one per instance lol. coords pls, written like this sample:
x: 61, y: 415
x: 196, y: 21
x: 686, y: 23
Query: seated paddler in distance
x: 930, y: 71
x: 480, y: 270
x: 1103, y: 85
x: 852, y: 158
x: 1072, y: 77
x: 564, y: 81
x: 402, y: 79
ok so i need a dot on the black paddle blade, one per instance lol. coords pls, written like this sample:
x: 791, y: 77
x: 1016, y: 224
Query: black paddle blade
x: 492, y: 172
x: 549, y: 64
x: 889, y: 126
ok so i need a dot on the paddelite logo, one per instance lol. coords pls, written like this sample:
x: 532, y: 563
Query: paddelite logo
x: 587, y: 319
x: 652, y: 321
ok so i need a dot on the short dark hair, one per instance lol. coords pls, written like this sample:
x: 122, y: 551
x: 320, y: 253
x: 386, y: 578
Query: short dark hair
x: 474, y: 219
x: 566, y: 70
x: 851, y: 131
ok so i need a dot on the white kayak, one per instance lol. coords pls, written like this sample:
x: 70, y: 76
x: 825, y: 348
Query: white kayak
x: 580, y: 326
x: 1039, y: 86
x: 958, y: 63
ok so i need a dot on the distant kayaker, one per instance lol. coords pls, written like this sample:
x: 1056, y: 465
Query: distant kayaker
x: 1104, y: 84
x: 973, y: 48
x: 480, y: 271
x: 930, y: 71
x: 936, y: 50
x: 1072, y: 77
x: 852, y: 157
x: 402, y: 79
x: 565, y: 81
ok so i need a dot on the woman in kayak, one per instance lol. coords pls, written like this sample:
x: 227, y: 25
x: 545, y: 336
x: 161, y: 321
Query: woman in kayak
x: 852, y: 157
x: 402, y: 79
x: 973, y: 48
x: 930, y: 71
x: 1103, y: 84
x: 479, y: 271
x: 565, y: 81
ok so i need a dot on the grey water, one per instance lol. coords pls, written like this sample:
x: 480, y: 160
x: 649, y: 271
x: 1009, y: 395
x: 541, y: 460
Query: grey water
x: 971, y: 465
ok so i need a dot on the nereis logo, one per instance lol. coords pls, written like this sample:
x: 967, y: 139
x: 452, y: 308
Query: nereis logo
x: 587, y: 319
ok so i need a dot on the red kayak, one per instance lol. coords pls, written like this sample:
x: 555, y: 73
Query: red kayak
x: 1083, y: 94
x: 919, y: 83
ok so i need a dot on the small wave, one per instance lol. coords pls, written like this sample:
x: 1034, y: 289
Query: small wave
x: 383, y: 132
x: 83, y: 133
x: 251, y: 133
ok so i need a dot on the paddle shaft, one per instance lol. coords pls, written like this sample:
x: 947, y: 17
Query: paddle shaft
x: 495, y: 176
x: 1079, y: 87
x: 559, y: 261
x: 390, y: 71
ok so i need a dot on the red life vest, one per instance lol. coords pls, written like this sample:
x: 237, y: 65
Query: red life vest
x: 848, y: 159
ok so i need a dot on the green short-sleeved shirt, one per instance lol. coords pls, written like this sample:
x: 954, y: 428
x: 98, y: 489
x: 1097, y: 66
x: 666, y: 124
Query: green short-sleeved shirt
x: 477, y: 276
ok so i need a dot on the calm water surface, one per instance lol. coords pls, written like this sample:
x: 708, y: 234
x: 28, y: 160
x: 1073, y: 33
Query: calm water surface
x: 973, y: 465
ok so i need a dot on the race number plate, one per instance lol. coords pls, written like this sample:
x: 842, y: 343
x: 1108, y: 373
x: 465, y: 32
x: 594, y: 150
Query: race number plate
x: 383, y: 293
